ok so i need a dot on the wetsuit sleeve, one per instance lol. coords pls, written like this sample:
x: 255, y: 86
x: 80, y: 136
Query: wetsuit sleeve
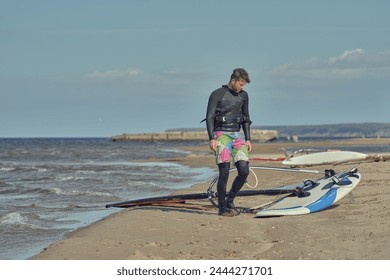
x: 245, y: 112
x: 211, y: 112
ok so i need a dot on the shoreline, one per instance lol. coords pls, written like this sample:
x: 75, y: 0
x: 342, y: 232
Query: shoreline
x: 350, y: 230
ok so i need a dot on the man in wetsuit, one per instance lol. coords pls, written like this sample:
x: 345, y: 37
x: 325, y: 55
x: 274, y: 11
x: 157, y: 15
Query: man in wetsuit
x: 227, y: 113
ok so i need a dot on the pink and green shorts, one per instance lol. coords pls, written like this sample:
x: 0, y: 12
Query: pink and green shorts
x: 230, y: 147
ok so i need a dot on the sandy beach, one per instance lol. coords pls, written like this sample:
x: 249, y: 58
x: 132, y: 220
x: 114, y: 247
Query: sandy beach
x: 355, y: 228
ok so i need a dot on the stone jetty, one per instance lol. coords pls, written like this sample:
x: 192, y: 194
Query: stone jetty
x: 257, y: 135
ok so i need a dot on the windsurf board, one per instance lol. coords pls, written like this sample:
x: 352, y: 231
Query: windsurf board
x: 324, y: 158
x: 315, y: 196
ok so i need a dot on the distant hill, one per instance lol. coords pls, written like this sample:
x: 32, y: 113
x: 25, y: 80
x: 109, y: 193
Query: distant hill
x: 347, y: 130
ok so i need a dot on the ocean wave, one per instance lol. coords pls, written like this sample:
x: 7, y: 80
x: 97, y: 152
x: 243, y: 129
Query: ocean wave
x: 9, y: 192
x: 16, y: 219
x: 42, y: 191
x: 60, y: 191
x: 71, y: 178
x: 91, y: 193
x: 12, y: 218
x: 85, y: 171
x: 15, y: 168
x: 176, y: 151
x: 39, y: 169
x: 23, y: 167
x: 4, y: 184
x: 6, y: 169
x: 68, y: 178
x: 9, y: 189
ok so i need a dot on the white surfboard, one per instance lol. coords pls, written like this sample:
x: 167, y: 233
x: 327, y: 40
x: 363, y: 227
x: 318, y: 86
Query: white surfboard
x: 324, y: 158
x: 316, y: 196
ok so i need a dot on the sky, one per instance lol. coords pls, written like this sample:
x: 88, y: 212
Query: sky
x: 92, y: 68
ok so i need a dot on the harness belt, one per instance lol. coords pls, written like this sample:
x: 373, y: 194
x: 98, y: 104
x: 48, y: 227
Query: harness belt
x: 231, y: 119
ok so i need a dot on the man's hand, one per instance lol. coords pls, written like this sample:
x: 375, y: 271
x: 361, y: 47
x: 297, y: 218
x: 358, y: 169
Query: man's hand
x: 213, y: 145
x: 248, y: 145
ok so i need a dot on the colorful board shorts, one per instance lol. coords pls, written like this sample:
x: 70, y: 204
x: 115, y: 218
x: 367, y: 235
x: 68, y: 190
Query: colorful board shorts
x: 230, y: 147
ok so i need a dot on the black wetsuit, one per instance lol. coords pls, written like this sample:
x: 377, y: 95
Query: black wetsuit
x: 227, y: 111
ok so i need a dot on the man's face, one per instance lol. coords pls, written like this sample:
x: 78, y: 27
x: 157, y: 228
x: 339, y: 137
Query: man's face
x: 238, y: 85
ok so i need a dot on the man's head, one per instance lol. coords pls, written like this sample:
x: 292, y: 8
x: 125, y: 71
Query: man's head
x: 239, y: 79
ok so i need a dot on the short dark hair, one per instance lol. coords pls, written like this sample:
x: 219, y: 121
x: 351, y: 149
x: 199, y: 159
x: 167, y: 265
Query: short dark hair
x: 240, y: 73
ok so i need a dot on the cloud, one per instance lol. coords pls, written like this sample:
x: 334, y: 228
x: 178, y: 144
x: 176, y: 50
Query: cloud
x: 115, y: 74
x: 166, y: 78
x: 347, y: 55
x: 349, y: 65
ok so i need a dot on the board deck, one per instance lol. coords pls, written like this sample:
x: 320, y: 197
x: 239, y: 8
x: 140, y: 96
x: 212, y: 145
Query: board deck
x: 324, y: 158
x: 318, y: 196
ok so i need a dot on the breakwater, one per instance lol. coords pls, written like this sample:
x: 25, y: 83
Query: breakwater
x: 257, y: 135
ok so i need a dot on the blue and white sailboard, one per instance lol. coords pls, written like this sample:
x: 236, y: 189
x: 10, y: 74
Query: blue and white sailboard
x: 315, y: 196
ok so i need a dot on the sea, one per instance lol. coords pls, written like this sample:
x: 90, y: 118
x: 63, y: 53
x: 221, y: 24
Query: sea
x: 52, y: 186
